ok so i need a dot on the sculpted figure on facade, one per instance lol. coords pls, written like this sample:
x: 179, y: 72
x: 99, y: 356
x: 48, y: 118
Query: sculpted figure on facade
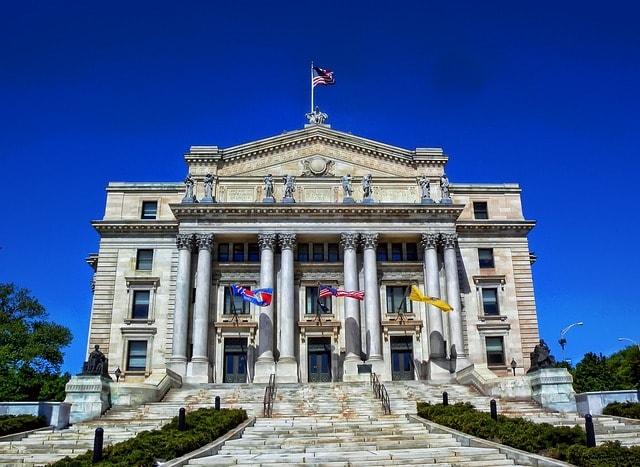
x: 425, y: 186
x: 96, y: 362
x: 316, y: 116
x: 289, y: 186
x: 268, y: 186
x: 367, y: 189
x: 347, y: 190
x: 444, y: 188
x: 189, y: 184
x: 208, y: 188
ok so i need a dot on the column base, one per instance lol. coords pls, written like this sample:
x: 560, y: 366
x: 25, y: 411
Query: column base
x: 198, y: 372
x: 287, y: 371
x: 178, y: 365
x: 263, y: 370
x: 440, y: 370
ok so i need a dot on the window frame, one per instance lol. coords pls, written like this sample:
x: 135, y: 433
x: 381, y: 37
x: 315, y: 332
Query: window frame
x: 311, y: 299
x: 480, y: 210
x: 486, y: 262
x: 489, y: 353
x: 399, y: 295
x: 143, y: 212
x: 144, y: 344
x: 142, y: 261
x: 242, y: 307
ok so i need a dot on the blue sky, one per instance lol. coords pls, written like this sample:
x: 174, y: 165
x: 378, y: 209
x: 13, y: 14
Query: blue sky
x: 540, y: 93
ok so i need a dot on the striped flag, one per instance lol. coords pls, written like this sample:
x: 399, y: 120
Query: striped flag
x: 322, y: 77
x: 326, y: 291
x: 260, y: 297
x: 418, y: 296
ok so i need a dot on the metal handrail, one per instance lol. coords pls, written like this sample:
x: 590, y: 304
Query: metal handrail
x: 380, y: 392
x: 269, y: 395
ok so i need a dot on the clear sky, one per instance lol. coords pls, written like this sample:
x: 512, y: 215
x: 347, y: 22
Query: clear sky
x: 541, y: 93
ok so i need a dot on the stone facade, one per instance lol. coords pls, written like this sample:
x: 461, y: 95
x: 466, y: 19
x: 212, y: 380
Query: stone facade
x: 165, y: 266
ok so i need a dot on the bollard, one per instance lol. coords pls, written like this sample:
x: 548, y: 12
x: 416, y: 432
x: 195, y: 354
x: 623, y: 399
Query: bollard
x: 445, y: 398
x: 591, y: 432
x: 97, y: 445
x: 217, y: 402
x: 494, y: 410
x: 181, y: 424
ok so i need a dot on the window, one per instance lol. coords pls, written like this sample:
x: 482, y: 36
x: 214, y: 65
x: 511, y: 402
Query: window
x: 334, y: 252
x: 234, y: 303
x: 480, y: 210
x: 485, y: 258
x: 223, y: 252
x: 314, y: 304
x: 412, y: 252
x: 318, y: 252
x: 144, y: 260
x: 303, y: 252
x: 254, y: 253
x: 137, y: 356
x: 238, y: 252
x: 398, y: 299
x: 490, y: 301
x: 140, y: 304
x: 149, y: 209
x: 396, y: 252
x: 381, y: 252
x: 495, y: 351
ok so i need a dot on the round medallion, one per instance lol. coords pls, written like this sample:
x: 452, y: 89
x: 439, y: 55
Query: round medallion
x: 317, y: 165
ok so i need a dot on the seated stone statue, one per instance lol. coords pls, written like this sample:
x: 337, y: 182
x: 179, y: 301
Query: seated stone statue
x: 96, y: 364
x: 541, y: 356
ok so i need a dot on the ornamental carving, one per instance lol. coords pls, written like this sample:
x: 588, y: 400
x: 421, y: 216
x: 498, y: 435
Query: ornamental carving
x: 369, y: 241
x: 267, y: 241
x: 349, y: 241
x: 317, y: 166
x: 204, y: 241
x: 184, y: 241
x: 449, y: 240
x: 429, y: 241
x: 287, y: 241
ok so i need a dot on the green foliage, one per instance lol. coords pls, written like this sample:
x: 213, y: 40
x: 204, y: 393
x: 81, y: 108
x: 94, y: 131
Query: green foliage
x: 202, y: 427
x: 30, y: 349
x: 10, y: 424
x: 620, y: 371
x: 607, y: 455
x: 623, y: 409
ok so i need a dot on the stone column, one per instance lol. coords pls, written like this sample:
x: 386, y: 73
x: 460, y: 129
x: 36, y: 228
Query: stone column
x: 184, y: 243
x: 200, y: 359
x: 352, y: 332
x: 265, y: 366
x: 436, y: 331
x: 372, y: 297
x: 456, y: 339
x: 287, y: 370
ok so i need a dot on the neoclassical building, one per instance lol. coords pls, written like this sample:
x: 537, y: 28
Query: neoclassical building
x: 294, y: 212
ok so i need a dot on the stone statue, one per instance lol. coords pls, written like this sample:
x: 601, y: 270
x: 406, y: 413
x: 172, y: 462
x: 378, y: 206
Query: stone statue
x: 425, y: 186
x: 96, y: 362
x: 367, y: 189
x: 208, y: 188
x: 444, y: 187
x: 189, y: 196
x: 346, y: 185
x: 316, y: 116
x: 541, y: 356
x: 268, y: 186
x: 289, y: 186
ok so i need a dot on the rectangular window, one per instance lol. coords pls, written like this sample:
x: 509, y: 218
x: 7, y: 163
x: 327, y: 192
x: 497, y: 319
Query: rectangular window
x: 318, y: 252
x: 334, y: 252
x: 254, y: 253
x: 412, y: 252
x: 314, y: 305
x: 149, y: 209
x: 398, y: 299
x: 480, y: 210
x: 238, y: 252
x: 137, y: 356
x: 495, y: 351
x: 140, y: 304
x: 144, y: 260
x: 381, y: 252
x: 490, y: 301
x: 396, y: 252
x: 234, y: 303
x: 485, y: 258
x: 303, y: 253
x: 223, y: 252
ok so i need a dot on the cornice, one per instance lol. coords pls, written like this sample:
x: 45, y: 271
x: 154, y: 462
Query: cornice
x: 479, y: 227
x: 138, y: 226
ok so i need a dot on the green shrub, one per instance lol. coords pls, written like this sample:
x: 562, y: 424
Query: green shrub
x: 10, y: 424
x: 201, y: 427
x: 623, y: 409
x: 607, y: 455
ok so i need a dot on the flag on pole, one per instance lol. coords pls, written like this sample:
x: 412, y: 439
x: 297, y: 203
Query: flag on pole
x: 326, y: 291
x: 322, y: 77
x: 418, y: 296
x: 260, y: 297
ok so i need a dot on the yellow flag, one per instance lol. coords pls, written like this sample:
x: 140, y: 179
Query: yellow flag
x: 418, y: 296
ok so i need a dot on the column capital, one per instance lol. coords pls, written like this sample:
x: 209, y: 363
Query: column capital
x: 184, y: 242
x: 204, y: 241
x: 267, y: 241
x: 369, y: 240
x: 349, y: 241
x: 449, y: 240
x: 287, y: 241
x: 430, y: 240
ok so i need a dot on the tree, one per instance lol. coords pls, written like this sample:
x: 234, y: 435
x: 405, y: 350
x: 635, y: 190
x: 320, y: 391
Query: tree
x: 30, y: 349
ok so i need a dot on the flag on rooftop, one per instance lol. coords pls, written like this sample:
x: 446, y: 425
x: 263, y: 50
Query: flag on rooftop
x: 322, y: 77
x: 326, y: 291
x: 418, y: 296
x: 260, y: 297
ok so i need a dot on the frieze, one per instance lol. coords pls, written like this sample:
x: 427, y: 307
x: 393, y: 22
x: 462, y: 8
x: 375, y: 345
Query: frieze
x: 240, y: 194
x: 317, y: 194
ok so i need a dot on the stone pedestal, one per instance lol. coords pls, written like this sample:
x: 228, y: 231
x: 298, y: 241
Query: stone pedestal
x: 263, y: 370
x: 287, y: 371
x: 353, y: 371
x: 89, y: 396
x: 552, y: 388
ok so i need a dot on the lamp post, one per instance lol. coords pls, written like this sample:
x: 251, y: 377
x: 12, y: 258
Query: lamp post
x: 630, y: 340
x: 562, y: 340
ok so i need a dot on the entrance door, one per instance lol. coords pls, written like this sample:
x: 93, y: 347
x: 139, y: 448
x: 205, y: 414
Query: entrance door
x: 319, y: 349
x: 235, y: 360
x: 402, y: 358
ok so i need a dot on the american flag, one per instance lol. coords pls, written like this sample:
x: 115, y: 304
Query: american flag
x: 323, y: 77
x: 326, y: 291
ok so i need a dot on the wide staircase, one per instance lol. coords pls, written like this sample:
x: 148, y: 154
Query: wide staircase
x: 330, y: 424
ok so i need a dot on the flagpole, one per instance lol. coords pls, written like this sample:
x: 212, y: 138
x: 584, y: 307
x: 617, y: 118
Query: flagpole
x: 311, y: 86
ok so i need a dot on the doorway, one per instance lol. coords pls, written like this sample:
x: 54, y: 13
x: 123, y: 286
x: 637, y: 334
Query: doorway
x: 402, y: 358
x: 319, y: 350
x: 235, y: 360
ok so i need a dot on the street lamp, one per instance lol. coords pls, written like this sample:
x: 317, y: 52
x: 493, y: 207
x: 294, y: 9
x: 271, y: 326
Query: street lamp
x: 630, y: 340
x: 562, y: 340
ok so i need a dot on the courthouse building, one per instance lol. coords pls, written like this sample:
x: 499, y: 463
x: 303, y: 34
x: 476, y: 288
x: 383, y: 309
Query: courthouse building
x: 293, y: 212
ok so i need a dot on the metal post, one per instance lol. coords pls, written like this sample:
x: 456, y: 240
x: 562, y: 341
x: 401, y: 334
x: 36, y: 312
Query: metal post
x: 591, y: 432
x: 445, y: 398
x: 181, y: 419
x: 217, y: 402
x: 97, y: 445
x: 494, y: 409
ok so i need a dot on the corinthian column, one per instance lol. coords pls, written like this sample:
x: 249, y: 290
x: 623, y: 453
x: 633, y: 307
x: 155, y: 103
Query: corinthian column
x: 353, y: 348
x: 200, y: 358
x: 181, y: 311
x: 453, y: 296
x: 265, y: 318
x: 287, y: 365
x: 372, y: 296
x: 436, y: 332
